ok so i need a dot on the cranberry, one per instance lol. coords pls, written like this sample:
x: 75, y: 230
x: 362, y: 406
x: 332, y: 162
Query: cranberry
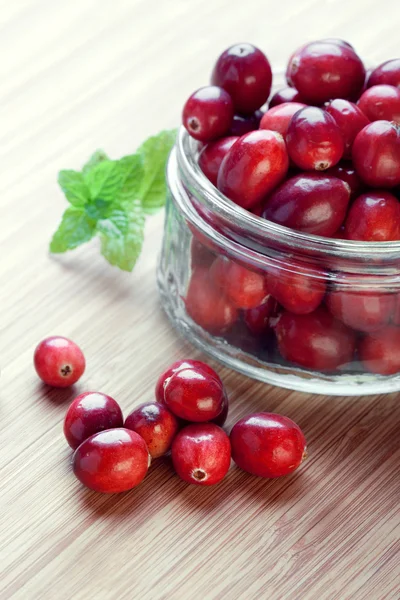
x: 288, y: 94
x: 279, y: 117
x: 346, y: 172
x: 340, y: 234
x: 324, y: 70
x: 155, y: 424
x: 254, y: 165
x: 374, y: 217
x: 381, y: 103
x: 220, y: 420
x: 259, y: 319
x: 201, y: 255
x: 267, y: 445
x: 212, y: 155
x: 90, y: 413
x: 298, y: 288
x: 388, y: 73
x: 181, y: 365
x: 314, y: 140
x: 316, y: 341
x: 338, y: 41
x: 245, y: 288
x: 311, y: 203
x: 380, y: 351
x: 242, y: 125
x: 201, y: 454
x: 58, y: 361
x: 376, y: 154
x: 244, y: 71
x: 349, y: 118
x: 205, y: 304
x: 208, y: 113
x: 112, y: 461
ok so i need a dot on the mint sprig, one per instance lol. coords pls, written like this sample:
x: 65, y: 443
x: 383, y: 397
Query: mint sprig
x: 111, y: 198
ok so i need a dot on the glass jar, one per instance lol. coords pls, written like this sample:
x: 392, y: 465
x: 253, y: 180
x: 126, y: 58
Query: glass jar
x: 300, y: 311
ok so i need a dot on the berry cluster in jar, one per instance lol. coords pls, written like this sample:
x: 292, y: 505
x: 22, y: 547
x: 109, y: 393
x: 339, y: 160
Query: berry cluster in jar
x: 322, y: 157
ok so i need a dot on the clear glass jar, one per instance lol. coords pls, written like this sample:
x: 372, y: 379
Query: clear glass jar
x: 228, y: 277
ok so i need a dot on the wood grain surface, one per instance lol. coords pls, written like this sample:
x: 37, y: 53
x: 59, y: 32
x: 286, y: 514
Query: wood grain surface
x: 87, y: 74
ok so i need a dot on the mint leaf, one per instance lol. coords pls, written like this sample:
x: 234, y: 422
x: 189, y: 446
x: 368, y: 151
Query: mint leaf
x: 95, y: 159
x: 131, y: 169
x: 75, y: 228
x: 74, y: 187
x: 104, y: 180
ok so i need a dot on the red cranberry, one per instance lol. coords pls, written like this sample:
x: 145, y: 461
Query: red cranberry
x: 244, y: 71
x: 279, y: 117
x: 212, y: 155
x: 311, y: 203
x: 298, y: 288
x: 155, y: 424
x: 314, y: 140
x: 267, y: 445
x: 388, y: 73
x: 208, y: 113
x: 288, y: 94
x: 316, y: 341
x: 220, y: 420
x: 58, y: 361
x: 380, y: 351
x: 340, y: 234
x: 245, y: 288
x: 201, y: 454
x: 112, y: 461
x: 374, y: 217
x: 181, y: 365
x: 381, y: 103
x: 338, y: 41
x: 324, y: 70
x: 259, y: 319
x: 242, y: 125
x: 346, y: 172
x: 90, y: 413
x: 205, y: 304
x: 201, y: 255
x: 350, y: 120
x: 376, y: 154
x: 254, y: 165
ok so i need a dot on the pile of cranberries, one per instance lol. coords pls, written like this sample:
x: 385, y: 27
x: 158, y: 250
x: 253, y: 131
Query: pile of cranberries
x: 191, y: 405
x: 321, y: 156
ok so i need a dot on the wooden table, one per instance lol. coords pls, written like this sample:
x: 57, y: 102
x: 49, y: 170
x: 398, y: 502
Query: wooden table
x: 79, y: 75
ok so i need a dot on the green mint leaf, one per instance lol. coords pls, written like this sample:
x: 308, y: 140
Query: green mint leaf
x: 74, y: 187
x: 121, y: 236
x: 75, y: 229
x: 95, y: 159
x: 154, y: 153
x: 104, y: 180
x: 97, y: 209
x: 132, y: 171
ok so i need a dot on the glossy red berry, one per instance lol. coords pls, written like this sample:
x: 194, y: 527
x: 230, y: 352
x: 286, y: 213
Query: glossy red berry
x: 212, y: 155
x: 155, y: 424
x: 208, y: 113
x: 245, y: 73
x: 347, y: 173
x: 374, y: 217
x: 278, y: 117
x: 88, y: 414
x: 312, y: 203
x: 200, y: 255
x: 242, y: 125
x: 288, y: 94
x: 253, y: 167
x: 381, y: 103
x: 220, y: 420
x: 314, y: 140
x: 297, y: 287
x: 324, y: 70
x: 376, y: 154
x: 380, y: 351
x: 201, y: 454
x: 267, y: 445
x: 181, y: 365
x: 58, y: 361
x: 316, y: 341
x: 112, y: 461
x: 388, y: 73
x: 245, y: 288
x: 260, y: 319
x: 349, y: 118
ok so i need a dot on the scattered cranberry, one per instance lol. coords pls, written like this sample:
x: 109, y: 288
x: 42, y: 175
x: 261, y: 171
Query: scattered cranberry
x: 338, y: 41
x: 346, y: 172
x: 245, y: 288
x: 201, y: 255
x: 201, y: 454
x: 376, y: 154
x: 278, y: 118
x: 288, y: 94
x: 298, y: 288
x: 254, y: 165
x: 380, y: 351
x: 181, y: 365
x: 58, y: 361
x: 314, y: 140
x: 220, y: 420
x: 212, y: 155
x: 325, y: 70
x: 155, y: 424
x: 316, y: 341
x: 90, y: 413
x: 312, y: 203
x: 349, y: 118
x: 259, y: 320
x: 374, y: 217
x: 208, y: 113
x: 381, y: 103
x: 242, y: 125
x: 111, y: 461
x: 267, y: 445
x: 388, y: 73
x: 245, y: 73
